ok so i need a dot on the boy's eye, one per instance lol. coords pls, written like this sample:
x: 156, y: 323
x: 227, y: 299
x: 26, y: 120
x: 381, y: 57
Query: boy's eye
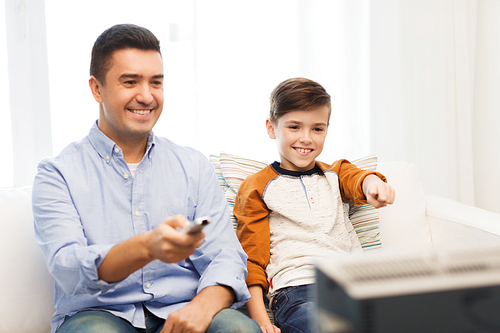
x: 293, y: 127
x: 319, y: 129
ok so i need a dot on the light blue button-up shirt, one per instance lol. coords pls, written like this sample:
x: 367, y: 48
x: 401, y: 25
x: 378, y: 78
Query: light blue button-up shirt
x: 85, y: 201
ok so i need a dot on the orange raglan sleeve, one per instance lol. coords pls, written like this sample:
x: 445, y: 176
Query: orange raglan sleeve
x: 351, y: 180
x: 253, y: 226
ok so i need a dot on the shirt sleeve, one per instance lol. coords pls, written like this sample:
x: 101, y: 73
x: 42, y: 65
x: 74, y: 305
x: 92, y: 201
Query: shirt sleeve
x: 351, y: 181
x: 253, y: 228
x: 221, y: 259
x: 58, y: 230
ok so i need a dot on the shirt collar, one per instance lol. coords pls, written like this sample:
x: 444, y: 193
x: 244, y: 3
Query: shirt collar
x: 105, y: 147
x: 277, y: 166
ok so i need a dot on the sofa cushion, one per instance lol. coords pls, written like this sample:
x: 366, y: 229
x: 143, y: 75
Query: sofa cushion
x: 25, y: 284
x: 404, y: 224
x: 232, y: 171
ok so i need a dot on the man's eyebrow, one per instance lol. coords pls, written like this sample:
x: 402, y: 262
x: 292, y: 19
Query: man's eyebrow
x: 137, y: 76
x: 129, y: 76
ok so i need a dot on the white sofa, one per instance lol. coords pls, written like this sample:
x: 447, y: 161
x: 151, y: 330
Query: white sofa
x: 26, y: 288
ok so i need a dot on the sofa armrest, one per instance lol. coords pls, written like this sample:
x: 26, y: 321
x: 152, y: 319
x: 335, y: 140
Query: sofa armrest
x: 456, y: 224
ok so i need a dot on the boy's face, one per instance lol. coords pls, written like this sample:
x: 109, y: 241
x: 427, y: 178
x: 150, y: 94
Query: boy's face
x: 300, y: 136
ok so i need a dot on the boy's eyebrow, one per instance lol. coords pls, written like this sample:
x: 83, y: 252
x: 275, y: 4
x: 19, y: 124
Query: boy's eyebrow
x: 300, y: 123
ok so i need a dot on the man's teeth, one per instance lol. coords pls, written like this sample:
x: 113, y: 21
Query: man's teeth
x: 141, y: 111
x: 303, y: 151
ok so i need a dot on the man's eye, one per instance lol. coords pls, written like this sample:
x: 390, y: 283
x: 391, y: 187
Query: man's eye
x: 157, y: 83
x: 130, y: 82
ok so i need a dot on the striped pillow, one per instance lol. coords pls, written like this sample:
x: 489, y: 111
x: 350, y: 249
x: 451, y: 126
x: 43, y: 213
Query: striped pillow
x: 232, y: 170
x: 365, y: 218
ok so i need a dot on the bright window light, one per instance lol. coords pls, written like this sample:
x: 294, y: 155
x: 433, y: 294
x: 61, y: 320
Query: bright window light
x: 6, y: 165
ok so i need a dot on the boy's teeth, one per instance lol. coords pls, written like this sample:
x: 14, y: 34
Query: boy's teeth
x: 303, y: 150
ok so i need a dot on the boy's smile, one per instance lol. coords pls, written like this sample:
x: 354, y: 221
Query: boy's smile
x: 300, y: 136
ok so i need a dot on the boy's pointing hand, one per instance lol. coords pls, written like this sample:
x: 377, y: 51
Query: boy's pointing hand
x: 378, y: 193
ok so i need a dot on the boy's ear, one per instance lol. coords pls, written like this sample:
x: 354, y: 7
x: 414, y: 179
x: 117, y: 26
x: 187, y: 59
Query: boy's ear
x: 95, y: 88
x: 270, y: 128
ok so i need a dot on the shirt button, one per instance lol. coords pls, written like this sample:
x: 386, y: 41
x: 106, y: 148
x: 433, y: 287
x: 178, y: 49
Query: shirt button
x: 125, y: 175
x: 107, y: 157
x: 148, y: 285
x: 117, y: 150
x: 137, y: 213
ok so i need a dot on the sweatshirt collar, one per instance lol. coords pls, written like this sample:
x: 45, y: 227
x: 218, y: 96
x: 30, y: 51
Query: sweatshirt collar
x: 276, y: 166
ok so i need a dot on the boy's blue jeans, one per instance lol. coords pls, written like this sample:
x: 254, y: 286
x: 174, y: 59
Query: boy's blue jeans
x: 293, y: 309
x: 91, y: 321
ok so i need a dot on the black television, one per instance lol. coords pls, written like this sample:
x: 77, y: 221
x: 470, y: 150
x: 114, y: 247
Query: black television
x: 425, y: 291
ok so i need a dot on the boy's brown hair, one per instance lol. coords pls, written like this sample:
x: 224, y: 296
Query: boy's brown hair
x: 297, y: 94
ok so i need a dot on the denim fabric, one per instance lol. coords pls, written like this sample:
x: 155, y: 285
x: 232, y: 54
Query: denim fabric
x: 293, y: 309
x: 96, y: 321
x: 91, y: 321
x: 232, y: 321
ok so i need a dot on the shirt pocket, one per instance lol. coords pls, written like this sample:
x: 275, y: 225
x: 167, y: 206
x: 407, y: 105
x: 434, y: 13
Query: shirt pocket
x: 172, y: 210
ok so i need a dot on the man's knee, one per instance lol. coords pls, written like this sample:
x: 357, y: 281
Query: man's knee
x: 95, y: 321
x: 232, y: 321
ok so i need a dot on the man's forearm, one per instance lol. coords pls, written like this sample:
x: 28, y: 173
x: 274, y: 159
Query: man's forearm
x: 123, y: 259
x: 164, y: 243
x: 215, y: 298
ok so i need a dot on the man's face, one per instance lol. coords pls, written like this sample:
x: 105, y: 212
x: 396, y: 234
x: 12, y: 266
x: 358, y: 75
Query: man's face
x: 300, y: 136
x: 131, y: 98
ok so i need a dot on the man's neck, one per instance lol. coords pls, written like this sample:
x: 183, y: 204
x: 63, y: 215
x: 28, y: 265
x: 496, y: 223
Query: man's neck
x: 133, y: 152
x: 132, y: 146
x: 133, y: 155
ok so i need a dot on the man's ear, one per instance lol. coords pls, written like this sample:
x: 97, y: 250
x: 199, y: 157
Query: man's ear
x: 95, y: 88
x: 270, y: 128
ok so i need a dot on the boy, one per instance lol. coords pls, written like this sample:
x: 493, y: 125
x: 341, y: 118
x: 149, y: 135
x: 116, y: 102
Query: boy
x: 291, y: 211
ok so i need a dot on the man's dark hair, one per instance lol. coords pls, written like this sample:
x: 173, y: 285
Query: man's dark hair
x: 297, y: 94
x: 119, y: 37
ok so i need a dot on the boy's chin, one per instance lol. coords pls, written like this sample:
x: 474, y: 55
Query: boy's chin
x: 299, y: 166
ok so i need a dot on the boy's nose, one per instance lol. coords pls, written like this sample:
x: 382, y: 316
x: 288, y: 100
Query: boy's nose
x: 305, y: 138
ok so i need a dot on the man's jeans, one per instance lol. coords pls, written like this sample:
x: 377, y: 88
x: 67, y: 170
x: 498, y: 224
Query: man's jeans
x: 293, y: 309
x: 91, y: 321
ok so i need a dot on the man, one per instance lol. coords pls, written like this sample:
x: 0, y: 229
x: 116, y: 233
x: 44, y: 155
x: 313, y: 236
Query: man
x: 108, y: 211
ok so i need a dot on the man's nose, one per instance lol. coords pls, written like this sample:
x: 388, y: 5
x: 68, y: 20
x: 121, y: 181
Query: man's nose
x: 144, y: 95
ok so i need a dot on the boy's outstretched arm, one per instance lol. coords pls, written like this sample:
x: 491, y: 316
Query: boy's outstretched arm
x: 377, y: 192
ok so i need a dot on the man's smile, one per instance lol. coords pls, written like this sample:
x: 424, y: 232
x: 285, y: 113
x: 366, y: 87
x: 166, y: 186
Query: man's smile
x: 141, y: 112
